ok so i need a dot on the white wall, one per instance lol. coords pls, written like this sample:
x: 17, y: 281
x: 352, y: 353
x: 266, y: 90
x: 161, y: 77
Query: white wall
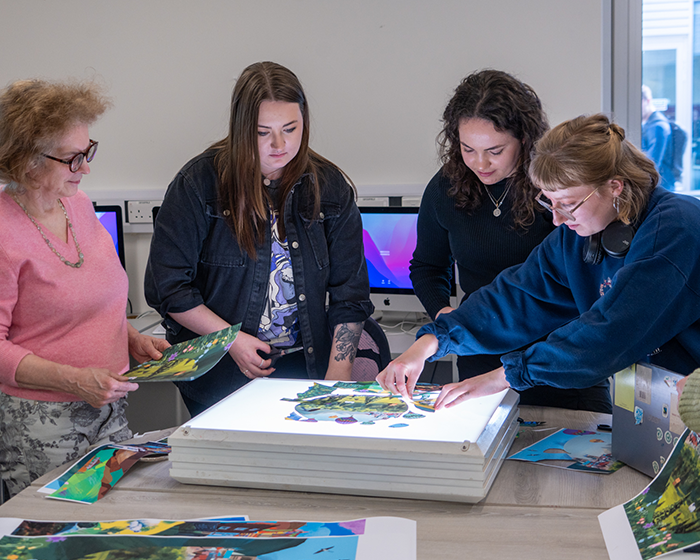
x: 377, y: 73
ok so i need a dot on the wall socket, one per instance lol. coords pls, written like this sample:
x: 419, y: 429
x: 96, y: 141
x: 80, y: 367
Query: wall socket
x: 140, y: 211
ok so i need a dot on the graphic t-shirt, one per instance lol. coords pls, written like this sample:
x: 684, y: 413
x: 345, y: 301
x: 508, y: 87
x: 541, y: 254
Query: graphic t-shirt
x: 279, y: 324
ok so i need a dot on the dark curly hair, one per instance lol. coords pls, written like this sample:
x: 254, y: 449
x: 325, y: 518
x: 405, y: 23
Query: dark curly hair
x: 512, y: 107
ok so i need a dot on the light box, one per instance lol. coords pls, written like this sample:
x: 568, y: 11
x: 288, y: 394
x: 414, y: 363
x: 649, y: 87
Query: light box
x: 346, y: 438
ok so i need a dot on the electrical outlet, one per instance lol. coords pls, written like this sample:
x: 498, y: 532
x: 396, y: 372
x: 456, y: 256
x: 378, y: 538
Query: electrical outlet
x: 140, y: 211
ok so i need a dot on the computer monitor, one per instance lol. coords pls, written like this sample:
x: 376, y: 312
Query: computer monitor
x: 111, y: 218
x: 389, y: 237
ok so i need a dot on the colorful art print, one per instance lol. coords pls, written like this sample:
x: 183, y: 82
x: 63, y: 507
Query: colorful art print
x: 97, y: 476
x: 93, y: 475
x: 360, y: 402
x: 587, y: 451
x: 236, y: 527
x: 664, y: 516
x: 187, y: 360
x: 144, y: 548
x: 366, y: 539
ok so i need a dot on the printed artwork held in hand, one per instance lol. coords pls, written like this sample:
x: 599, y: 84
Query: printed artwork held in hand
x: 93, y: 475
x: 573, y: 449
x: 361, y: 403
x: 361, y: 539
x: 187, y: 360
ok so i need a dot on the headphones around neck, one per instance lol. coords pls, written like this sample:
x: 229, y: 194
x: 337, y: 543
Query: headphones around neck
x: 614, y: 241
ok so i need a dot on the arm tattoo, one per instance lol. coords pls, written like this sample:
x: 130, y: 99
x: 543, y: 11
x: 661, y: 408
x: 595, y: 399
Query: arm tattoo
x: 347, y: 337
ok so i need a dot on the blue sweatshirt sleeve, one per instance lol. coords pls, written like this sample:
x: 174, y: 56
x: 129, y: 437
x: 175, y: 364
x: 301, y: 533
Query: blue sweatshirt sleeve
x: 598, y: 318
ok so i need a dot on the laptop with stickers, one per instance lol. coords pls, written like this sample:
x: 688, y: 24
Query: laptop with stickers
x: 646, y: 423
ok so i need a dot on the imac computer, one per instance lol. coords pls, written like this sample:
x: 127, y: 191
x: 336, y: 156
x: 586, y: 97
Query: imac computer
x: 389, y: 236
x: 111, y: 218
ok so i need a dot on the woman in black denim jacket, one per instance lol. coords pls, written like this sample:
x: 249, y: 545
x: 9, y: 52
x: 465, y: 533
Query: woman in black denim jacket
x: 259, y: 230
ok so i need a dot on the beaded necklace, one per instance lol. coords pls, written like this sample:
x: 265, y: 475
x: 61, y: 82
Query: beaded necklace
x: 70, y: 227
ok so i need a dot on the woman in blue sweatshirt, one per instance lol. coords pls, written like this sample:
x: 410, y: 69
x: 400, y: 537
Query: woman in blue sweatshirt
x: 619, y: 283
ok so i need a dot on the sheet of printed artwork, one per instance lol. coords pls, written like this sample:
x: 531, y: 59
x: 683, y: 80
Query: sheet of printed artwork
x: 582, y: 450
x: 187, y: 360
x: 374, y: 538
x: 664, y: 518
x: 93, y: 475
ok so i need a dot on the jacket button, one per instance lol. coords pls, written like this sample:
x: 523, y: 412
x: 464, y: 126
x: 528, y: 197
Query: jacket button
x: 226, y: 212
x: 302, y: 297
x: 320, y: 215
x: 295, y: 245
x: 310, y: 350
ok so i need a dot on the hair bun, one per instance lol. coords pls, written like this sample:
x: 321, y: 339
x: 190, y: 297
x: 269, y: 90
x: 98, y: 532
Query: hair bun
x: 617, y: 129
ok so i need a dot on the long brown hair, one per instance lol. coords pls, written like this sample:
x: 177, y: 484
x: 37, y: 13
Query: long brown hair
x: 238, y: 162
x: 512, y: 107
x: 590, y: 150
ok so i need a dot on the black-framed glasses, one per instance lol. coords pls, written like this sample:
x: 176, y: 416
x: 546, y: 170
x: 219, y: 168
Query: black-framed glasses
x: 568, y: 215
x: 77, y: 160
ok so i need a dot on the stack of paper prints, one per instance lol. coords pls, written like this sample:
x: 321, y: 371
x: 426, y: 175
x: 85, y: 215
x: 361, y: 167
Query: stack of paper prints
x: 93, y: 475
x: 376, y: 538
x: 349, y: 438
x: 663, y: 518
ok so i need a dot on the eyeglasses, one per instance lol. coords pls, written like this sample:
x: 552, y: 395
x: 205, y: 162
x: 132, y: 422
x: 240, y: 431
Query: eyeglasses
x: 77, y: 160
x: 568, y: 215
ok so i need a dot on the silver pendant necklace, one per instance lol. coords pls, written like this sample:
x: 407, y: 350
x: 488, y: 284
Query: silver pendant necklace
x: 497, y: 203
x: 70, y: 227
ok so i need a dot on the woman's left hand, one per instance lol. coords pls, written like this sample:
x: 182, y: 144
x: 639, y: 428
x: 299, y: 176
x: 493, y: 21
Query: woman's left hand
x: 479, y: 386
x: 143, y: 348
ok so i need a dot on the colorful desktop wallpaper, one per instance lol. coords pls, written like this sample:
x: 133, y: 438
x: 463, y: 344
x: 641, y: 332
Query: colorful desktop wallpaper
x: 389, y: 241
x: 109, y: 221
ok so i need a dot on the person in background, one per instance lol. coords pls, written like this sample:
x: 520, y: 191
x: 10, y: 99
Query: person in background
x: 657, y: 140
x: 64, y: 337
x: 615, y: 284
x: 479, y: 210
x: 259, y: 230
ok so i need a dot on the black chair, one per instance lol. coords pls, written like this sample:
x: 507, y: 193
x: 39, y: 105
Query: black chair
x: 373, y: 352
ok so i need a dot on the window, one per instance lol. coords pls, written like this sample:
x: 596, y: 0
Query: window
x: 670, y: 56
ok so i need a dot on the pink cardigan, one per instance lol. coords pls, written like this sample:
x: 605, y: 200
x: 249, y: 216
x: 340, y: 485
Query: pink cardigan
x: 74, y: 316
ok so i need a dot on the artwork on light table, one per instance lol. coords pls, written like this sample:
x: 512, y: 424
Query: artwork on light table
x: 355, y: 409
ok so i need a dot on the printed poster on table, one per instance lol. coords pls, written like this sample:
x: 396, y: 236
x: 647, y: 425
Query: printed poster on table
x: 582, y: 450
x: 94, y: 474
x: 375, y: 538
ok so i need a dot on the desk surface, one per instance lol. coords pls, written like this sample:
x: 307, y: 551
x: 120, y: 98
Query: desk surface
x: 531, y: 512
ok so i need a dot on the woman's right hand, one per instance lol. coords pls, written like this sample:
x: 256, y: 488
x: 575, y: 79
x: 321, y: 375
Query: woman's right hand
x: 97, y: 386
x: 244, y: 352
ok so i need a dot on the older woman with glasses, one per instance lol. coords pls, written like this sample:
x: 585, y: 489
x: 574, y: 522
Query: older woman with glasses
x: 64, y: 337
x: 616, y: 284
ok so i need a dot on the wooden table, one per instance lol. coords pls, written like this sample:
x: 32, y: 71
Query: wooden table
x: 532, y: 511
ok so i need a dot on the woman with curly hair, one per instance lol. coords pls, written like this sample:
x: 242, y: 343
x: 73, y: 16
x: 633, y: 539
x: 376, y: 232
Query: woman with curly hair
x: 479, y: 210
x: 615, y: 284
